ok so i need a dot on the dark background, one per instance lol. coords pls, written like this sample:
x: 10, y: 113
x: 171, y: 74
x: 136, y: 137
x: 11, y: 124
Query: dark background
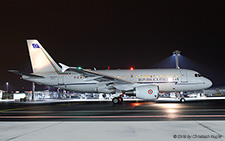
x: 119, y: 34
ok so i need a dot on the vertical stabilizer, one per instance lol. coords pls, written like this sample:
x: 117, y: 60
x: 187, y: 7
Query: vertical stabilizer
x: 41, y: 61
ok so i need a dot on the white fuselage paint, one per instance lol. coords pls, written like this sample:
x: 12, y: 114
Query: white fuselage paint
x: 168, y: 80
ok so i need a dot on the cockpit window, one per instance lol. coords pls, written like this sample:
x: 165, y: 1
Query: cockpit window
x: 198, y: 75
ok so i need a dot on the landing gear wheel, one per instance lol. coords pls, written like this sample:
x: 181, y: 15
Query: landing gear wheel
x: 120, y: 99
x: 115, y: 100
x: 182, y: 100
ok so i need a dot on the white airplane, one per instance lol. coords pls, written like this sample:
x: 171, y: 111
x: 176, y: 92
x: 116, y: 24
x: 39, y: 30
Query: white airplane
x: 142, y: 83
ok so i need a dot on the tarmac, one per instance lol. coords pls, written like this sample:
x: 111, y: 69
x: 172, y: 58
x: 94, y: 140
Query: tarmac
x: 132, y: 120
x: 112, y: 131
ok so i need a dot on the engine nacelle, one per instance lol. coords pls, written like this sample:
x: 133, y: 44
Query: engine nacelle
x: 147, y: 92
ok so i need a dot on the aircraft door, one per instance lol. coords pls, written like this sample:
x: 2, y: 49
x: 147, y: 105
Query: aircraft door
x: 184, y: 77
x: 60, y: 79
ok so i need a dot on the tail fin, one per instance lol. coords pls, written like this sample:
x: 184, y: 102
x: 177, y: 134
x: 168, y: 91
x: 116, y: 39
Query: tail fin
x: 41, y: 61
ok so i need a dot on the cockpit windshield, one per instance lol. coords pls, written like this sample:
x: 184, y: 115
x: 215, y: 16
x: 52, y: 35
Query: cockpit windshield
x: 198, y: 75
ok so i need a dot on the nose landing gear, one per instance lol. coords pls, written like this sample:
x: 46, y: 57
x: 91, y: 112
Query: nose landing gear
x: 181, y: 96
x: 182, y: 100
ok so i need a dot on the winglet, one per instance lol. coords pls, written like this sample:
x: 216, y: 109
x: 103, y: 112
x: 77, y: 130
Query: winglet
x: 64, y: 67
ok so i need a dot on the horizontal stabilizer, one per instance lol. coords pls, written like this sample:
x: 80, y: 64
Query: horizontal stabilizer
x: 23, y: 73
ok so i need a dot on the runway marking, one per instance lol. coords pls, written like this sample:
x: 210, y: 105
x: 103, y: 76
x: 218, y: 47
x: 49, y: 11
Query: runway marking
x: 12, y: 109
x: 105, y: 117
x: 24, y: 108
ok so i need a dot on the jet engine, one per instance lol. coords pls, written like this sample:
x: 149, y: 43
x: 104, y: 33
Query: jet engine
x: 148, y: 92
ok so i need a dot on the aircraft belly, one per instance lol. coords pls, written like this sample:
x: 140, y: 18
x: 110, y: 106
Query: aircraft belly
x: 172, y: 87
x: 89, y: 88
x: 166, y: 87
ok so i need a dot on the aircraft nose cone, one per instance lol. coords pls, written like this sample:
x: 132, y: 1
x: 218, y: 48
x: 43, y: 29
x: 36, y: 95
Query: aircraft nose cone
x: 208, y: 83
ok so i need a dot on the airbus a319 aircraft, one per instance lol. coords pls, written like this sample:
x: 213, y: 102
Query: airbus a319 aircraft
x: 142, y: 83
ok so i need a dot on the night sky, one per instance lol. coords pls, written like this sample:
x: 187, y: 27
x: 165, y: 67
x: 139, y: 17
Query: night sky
x: 119, y: 34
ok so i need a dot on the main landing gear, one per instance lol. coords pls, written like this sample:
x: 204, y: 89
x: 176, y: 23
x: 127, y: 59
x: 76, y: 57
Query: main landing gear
x: 117, y: 100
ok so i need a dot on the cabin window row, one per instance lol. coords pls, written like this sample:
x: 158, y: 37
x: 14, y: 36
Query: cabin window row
x: 147, y: 76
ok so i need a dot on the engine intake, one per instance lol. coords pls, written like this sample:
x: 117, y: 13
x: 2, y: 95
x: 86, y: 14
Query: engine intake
x: 148, y: 92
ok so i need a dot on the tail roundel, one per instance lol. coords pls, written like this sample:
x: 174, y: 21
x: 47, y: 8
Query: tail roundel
x: 41, y: 61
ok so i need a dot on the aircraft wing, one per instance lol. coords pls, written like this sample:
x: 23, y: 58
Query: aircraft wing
x: 95, y: 75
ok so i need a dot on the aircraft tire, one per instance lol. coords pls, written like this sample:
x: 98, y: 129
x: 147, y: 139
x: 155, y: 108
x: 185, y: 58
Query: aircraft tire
x: 115, y: 100
x: 182, y: 100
